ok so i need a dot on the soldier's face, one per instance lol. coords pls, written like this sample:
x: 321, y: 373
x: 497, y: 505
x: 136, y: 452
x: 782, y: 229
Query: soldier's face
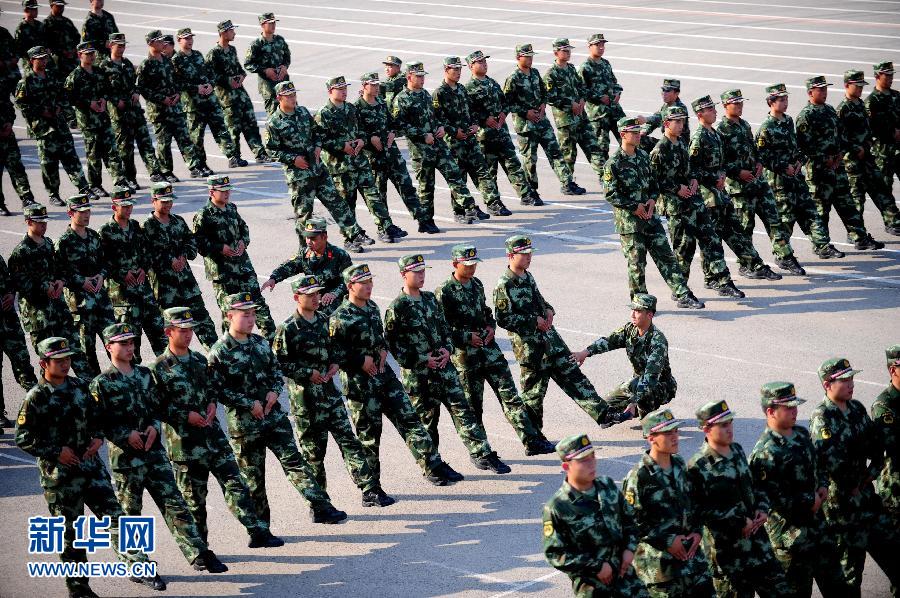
x: 520, y: 260
x: 81, y: 218
x: 228, y: 35
x: 840, y: 390
x: 391, y: 69
x: 372, y: 89
x: 452, y: 74
x: 317, y: 243
x: 37, y: 228
x: 854, y: 91
x: 308, y: 302
x: 288, y: 102
x: 31, y: 14
x: 87, y: 58
x: 783, y: 417
x: 675, y: 126
x: 123, y: 351
x: 186, y: 43
x: 563, y: 55
x: 669, y: 96
x: 180, y: 338
x: 338, y: 94
x: 167, y: 49
x: 597, y: 50
x: 242, y: 321
x: 734, y: 109
x: 96, y: 5
x: 479, y: 68
x: 117, y: 50
x: 57, y: 9
x: 163, y: 208
x: 641, y: 318
x: 780, y: 104
x: 122, y: 212
x: 415, y: 81
x: 884, y: 80
x: 665, y: 442
x: 818, y: 95
x: 414, y: 280
x: 39, y: 64
x: 463, y: 271
x: 581, y: 471
x: 56, y: 369
x: 268, y: 28
x: 361, y: 291
x: 525, y: 61
x: 219, y: 196
x: 894, y: 371
x: 722, y: 434
x: 632, y: 138
x: 707, y: 116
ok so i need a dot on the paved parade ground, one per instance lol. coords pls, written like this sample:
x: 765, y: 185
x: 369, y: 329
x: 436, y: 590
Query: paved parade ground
x: 482, y: 537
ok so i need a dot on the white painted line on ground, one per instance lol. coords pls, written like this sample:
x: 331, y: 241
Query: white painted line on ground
x: 18, y: 459
x: 518, y: 588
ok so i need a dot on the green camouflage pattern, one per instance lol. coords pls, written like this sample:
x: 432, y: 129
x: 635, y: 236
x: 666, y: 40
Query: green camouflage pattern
x: 12, y: 341
x: 11, y: 156
x: 885, y: 410
x: 9, y: 55
x: 599, y: 82
x: 96, y: 29
x: 225, y: 67
x: 565, y: 86
x: 326, y: 267
x: 261, y: 55
x: 28, y: 35
x: 883, y: 108
x: 655, y: 121
x: 61, y: 38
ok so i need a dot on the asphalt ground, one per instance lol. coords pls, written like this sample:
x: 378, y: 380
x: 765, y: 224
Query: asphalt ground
x: 482, y: 536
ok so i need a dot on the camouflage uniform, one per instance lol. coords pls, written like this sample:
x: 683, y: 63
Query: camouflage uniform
x: 97, y: 29
x: 263, y: 54
x: 885, y: 410
x: 10, y: 156
x: 61, y: 38
x: 9, y: 66
x: 391, y: 86
x: 883, y: 108
x: 13, y: 342
x: 28, y: 35
x: 599, y: 81
x: 657, y: 119
x: 326, y: 267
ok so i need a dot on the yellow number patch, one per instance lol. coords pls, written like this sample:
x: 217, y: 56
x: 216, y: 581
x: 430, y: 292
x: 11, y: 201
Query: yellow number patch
x: 825, y: 433
x: 629, y: 497
x: 548, y: 529
x: 21, y: 419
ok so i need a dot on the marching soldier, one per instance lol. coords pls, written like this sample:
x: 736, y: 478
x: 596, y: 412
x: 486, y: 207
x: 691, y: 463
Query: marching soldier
x: 394, y: 79
x: 883, y: 106
x: 885, y: 410
x: 13, y: 342
x: 11, y: 157
x: 29, y: 31
x: 62, y: 40
x: 269, y: 57
x: 9, y: 62
x: 98, y: 26
x: 671, y: 90
x: 602, y: 93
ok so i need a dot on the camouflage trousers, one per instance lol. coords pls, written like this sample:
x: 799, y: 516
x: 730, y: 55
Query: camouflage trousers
x: 620, y: 587
x: 498, y: 150
x: 192, y: 477
x: 11, y: 161
x: 240, y: 117
x: 12, y: 343
x: 760, y: 201
x: 830, y: 187
x: 169, y: 123
x: 542, y: 136
x: 156, y: 477
x: 318, y: 411
x: 796, y: 206
x: 581, y: 134
x: 748, y: 566
x: 304, y: 189
x: 390, y: 166
x: 492, y: 367
x: 428, y: 158
x: 606, y: 126
x: 139, y: 309
x: 264, y: 320
x: 428, y: 390
x: 250, y: 451
x: 695, y: 582
x: 267, y: 91
x: 844, y: 557
x: 348, y: 184
x: 90, y: 323
x: 732, y: 233
x: 887, y: 158
x: 212, y: 117
x: 866, y: 178
x: 650, y: 399
x: 472, y: 162
x: 130, y: 129
x: 55, y: 148
x: 87, y: 485
x: 693, y: 225
x: 100, y: 149
x: 651, y: 239
x: 53, y: 319
x: 204, y: 328
x: 370, y: 398
x: 800, y: 568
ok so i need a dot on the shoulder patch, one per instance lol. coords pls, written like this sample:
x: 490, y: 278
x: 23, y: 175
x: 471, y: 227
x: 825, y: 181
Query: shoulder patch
x: 888, y: 418
x: 629, y: 497
x: 548, y: 529
x: 760, y: 141
x: 502, y: 304
x: 21, y: 419
x: 825, y: 433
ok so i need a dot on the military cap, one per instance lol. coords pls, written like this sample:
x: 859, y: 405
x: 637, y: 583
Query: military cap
x: 628, y: 124
x: 78, y: 203
x: 574, y: 448
x: 393, y: 60
x: 475, y: 57
x: 370, y: 77
x: 836, y: 369
x: 817, y: 81
x: 732, y: 96
x: 855, y: 76
x: 643, y: 302
x: 886, y: 68
x: 242, y: 301
x: 356, y: 273
x: 519, y: 244
x: 55, y: 347
x: 267, y: 17
x: 121, y: 196
x: 84, y: 47
x: 117, y: 38
x: 314, y: 226
x: 154, y: 36
x: 779, y: 394
x: 562, y: 43
x: 714, y: 412
x: 893, y: 355
x: 179, y: 317
x: 452, y: 62
x: 38, y: 52
x: 416, y: 68
x: 674, y: 112
x: 36, y: 212
x: 219, y: 182
x: 184, y: 32
x: 285, y: 88
x: 226, y: 25
x: 162, y: 191
x: 29, y: 4
x: 776, y: 91
x: 169, y: 39
x: 597, y: 38
x: 524, y: 50
x: 338, y: 81
x: 659, y: 421
x: 702, y: 103
x: 466, y: 253
x: 58, y: 2
x: 307, y: 285
x: 414, y: 262
x: 118, y: 332
x: 671, y: 84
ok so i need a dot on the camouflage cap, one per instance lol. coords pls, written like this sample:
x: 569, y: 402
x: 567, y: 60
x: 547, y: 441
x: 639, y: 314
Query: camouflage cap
x: 732, y: 96
x: 519, y: 244
x: 855, y: 77
x: 370, y: 78
x: 36, y: 212
x: 837, y: 368
x: 154, y: 36
x: 562, y: 43
x: 476, y: 56
x: 242, y: 301
x: 29, y: 3
x: 671, y: 84
x: 162, y: 191
x: 659, y: 421
x: 628, y: 124
x: 597, y: 38
x: 85, y: 47
x: 219, y: 182
x: 465, y: 253
x: 893, y: 355
x: 285, y: 88
x: 779, y: 394
x: 314, y: 226
x: 226, y: 25
x: 58, y: 2
x: 356, y: 273
x: 702, y: 103
x: 643, y: 302
x: 886, y: 67
x: 117, y: 38
x: 118, y: 332
x: 817, y: 81
x: 452, y: 62
x: 524, y: 50
x: 78, y: 203
x: 179, y: 317
x: 776, y: 91
x: 338, y: 81
x: 574, y: 448
x: 184, y: 32
x: 55, y: 347
x: 714, y: 412
x: 267, y: 17
x: 414, y: 262
x: 307, y: 285
x: 393, y: 60
x: 121, y: 196
x: 675, y: 112
x: 169, y: 39
x: 416, y: 68
x: 38, y: 52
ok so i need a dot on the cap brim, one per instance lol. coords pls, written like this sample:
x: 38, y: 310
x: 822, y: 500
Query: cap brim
x: 66, y: 353
x: 417, y: 268
x: 38, y: 218
x: 120, y: 338
x: 846, y: 375
x: 243, y: 307
x: 670, y: 425
x: 525, y: 54
x: 80, y: 208
x: 310, y: 290
x: 164, y: 198
x: 222, y: 187
x: 123, y: 202
x: 583, y: 453
x: 312, y: 233
x: 469, y: 262
x: 190, y: 324
x: 637, y: 307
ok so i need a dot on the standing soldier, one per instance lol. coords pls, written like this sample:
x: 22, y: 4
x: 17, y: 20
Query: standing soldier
x: 413, y: 112
x: 126, y: 264
x: 194, y: 78
x: 13, y: 342
x: 476, y: 355
x: 304, y: 354
x: 526, y: 98
x: 487, y: 104
x: 250, y: 382
x: 394, y: 79
x: 859, y: 160
x: 155, y: 80
x: 98, y: 26
x: 60, y: 425
x: 9, y: 62
x: 883, y: 106
x: 228, y: 76
x: 745, y: 183
x: 732, y: 511
x: 785, y: 471
x: 83, y: 268
x: 11, y: 157
x: 776, y: 143
x: 88, y: 92
x: 222, y: 239
x: 30, y: 32
x: 195, y: 442
x: 821, y: 139
x: 589, y: 529
x: 671, y: 90
x: 602, y: 93
x: 294, y: 139
x: 170, y: 243
x: 127, y: 401
x: 269, y: 57
x: 668, y: 557
x: 39, y: 96
x: 540, y: 350
x: 451, y: 107
x: 885, y: 410
x: 62, y: 40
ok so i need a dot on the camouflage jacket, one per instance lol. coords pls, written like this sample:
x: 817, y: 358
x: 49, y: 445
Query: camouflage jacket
x: 7, y: 112
x: 391, y: 86
x: 62, y: 37
x: 6, y: 282
x: 82, y: 88
x: 518, y: 303
x: 155, y: 80
x: 656, y: 120
x: 32, y: 267
x: 215, y: 227
x: 884, y: 116
x: 127, y: 404
x: 776, y: 146
x: 9, y: 67
x: 415, y: 329
x: 356, y: 332
x: 164, y: 243
x: 486, y: 99
x: 739, y: 153
x: 599, y: 81
x: 564, y: 86
x: 263, y: 54
x: 34, y: 94
x: 661, y: 501
x: 302, y: 346
x: 78, y: 259
x: 28, y: 35
x: 190, y: 71
x: 466, y: 312
x: 414, y: 115
x: 854, y: 123
x: 885, y: 410
x: 124, y: 250
x: 786, y: 472
x: 628, y: 183
x: 648, y: 354
x: 373, y: 120
x: 707, y: 162
x: 583, y: 530
x: 327, y: 268
x: 524, y: 92
x: 819, y: 133
x: 97, y: 29
x: 670, y: 167
x: 224, y: 65
x: 121, y: 85
x: 248, y: 372
x: 451, y: 108
x: 290, y: 135
x: 338, y: 125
